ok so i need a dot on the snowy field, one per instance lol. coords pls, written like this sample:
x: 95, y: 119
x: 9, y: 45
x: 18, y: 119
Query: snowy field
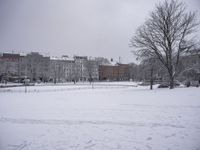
x: 106, y: 117
x: 50, y: 87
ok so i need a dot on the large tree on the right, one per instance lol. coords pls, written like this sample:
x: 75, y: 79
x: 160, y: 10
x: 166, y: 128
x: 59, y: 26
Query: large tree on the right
x: 166, y: 35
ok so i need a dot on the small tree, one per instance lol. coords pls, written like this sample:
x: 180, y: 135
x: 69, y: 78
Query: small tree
x: 91, y: 66
x: 166, y: 35
x: 151, y: 63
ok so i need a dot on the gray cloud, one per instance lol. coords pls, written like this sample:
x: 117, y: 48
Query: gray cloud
x: 89, y: 27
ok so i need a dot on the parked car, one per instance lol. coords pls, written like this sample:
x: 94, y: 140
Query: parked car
x: 189, y: 83
x: 166, y: 84
x: 194, y: 83
x: 177, y: 83
x: 163, y: 85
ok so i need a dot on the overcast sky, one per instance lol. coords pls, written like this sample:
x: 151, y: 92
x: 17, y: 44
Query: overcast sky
x: 74, y: 27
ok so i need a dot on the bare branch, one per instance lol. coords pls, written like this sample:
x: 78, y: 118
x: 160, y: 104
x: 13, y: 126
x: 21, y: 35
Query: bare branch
x: 167, y: 34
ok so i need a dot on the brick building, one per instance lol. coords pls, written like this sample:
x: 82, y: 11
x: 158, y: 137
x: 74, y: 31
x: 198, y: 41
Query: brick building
x: 10, y: 64
x: 118, y: 72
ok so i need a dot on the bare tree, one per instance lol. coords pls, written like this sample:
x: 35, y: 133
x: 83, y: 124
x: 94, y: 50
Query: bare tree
x: 166, y: 35
x: 151, y: 63
x: 91, y: 68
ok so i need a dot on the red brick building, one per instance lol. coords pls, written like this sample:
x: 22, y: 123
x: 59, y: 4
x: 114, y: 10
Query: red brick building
x: 9, y: 64
x: 119, y: 72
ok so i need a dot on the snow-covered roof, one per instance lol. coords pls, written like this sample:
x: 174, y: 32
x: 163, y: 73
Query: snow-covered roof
x: 61, y: 58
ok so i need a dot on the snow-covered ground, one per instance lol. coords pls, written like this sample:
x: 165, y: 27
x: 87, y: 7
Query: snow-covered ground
x: 99, y: 118
x: 50, y: 87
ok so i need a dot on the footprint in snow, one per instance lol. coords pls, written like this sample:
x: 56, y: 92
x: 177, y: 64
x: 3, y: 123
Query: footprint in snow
x: 89, y: 146
x: 149, y: 138
x: 172, y: 135
x: 89, y: 141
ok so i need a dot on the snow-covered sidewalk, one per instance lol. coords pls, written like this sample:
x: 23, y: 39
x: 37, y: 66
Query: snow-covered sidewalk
x: 107, y: 118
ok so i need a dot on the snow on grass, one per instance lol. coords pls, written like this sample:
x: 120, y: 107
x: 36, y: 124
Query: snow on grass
x: 50, y: 87
x: 101, y: 118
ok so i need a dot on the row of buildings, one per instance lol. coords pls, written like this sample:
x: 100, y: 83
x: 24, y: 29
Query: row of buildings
x: 36, y: 67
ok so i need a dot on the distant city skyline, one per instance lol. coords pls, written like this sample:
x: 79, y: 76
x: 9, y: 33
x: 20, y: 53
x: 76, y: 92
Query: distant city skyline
x: 97, y: 28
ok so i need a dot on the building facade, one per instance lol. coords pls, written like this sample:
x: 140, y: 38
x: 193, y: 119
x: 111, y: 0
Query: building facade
x: 38, y: 67
x: 62, y: 69
x: 10, y: 64
x: 92, y: 69
x: 80, y: 68
x: 118, y: 72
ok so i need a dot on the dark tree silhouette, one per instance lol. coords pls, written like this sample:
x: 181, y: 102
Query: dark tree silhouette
x: 166, y: 35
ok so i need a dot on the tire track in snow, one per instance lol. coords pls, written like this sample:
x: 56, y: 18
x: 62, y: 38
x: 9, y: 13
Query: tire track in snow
x: 92, y: 122
x: 19, y: 147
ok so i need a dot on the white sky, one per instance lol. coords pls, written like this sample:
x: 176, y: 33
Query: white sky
x: 68, y: 27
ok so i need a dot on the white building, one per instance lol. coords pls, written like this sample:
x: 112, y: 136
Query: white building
x: 62, y: 69
x: 80, y: 68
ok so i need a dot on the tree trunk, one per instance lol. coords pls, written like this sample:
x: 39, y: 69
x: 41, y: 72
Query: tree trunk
x: 171, y: 81
x: 151, y: 79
